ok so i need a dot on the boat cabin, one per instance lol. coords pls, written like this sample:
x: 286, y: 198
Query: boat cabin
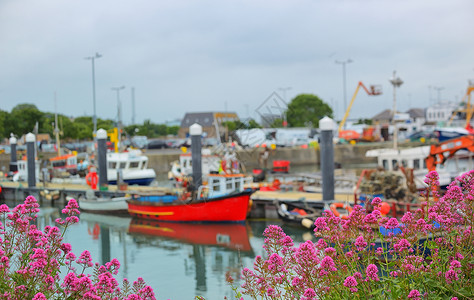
x: 393, y: 159
x: 126, y: 160
x: 66, y: 162
x: 22, y: 174
x: 219, y: 185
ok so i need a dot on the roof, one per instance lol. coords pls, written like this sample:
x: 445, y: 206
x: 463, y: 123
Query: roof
x: 416, y: 113
x: 384, y: 115
x: 205, y: 119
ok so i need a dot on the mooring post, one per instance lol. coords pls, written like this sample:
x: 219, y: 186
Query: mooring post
x: 195, y: 131
x: 30, y: 159
x: 102, y: 158
x: 326, y: 149
x: 13, y: 163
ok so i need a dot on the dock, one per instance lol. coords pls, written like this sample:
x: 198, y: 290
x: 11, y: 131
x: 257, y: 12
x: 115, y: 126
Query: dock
x: 20, y: 190
x: 263, y: 202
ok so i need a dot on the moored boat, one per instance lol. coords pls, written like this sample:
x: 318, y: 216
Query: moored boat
x: 298, y: 214
x: 222, y: 200
x: 95, y: 202
x: 133, y: 167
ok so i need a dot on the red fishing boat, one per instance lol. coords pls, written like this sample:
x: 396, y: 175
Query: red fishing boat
x: 227, y: 235
x: 222, y: 200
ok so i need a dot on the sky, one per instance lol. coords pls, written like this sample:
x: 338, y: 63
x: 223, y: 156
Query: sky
x: 231, y: 55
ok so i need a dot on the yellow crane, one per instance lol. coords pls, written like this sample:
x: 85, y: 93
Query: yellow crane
x: 468, y: 110
x: 374, y: 90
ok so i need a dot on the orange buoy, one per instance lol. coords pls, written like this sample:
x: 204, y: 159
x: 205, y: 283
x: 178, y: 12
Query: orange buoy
x: 337, y: 205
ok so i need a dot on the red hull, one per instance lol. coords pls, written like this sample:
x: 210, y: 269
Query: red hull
x: 232, y: 236
x: 231, y: 208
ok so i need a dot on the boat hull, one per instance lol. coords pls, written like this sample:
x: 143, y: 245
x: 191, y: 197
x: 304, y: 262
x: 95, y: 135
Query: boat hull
x: 230, y: 208
x: 104, y: 205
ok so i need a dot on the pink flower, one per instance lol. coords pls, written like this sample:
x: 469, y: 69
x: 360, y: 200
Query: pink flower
x: 372, y: 271
x: 4, y: 208
x: 350, y: 281
x: 376, y: 201
x: 39, y: 296
x: 451, y: 276
x: 328, y: 264
x: 414, y: 294
x: 360, y: 243
x: 392, y: 223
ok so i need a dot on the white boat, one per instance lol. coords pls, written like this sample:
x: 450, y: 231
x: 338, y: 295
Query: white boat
x: 211, y: 163
x: 393, y: 159
x: 132, y: 165
x: 102, y: 204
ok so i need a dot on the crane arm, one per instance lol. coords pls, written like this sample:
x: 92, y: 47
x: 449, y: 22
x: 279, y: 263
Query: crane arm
x: 440, y: 152
x: 372, y: 92
x: 469, y: 109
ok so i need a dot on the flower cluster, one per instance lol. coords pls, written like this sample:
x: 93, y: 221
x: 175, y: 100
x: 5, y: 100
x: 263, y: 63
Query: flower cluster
x: 32, y: 261
x: 427, y: 254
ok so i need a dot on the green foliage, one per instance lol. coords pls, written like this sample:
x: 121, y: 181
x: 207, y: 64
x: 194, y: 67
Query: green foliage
x: 173, y: 130
x: 364, y: 121
x: 23, y: 118
x: 306, y: 110
x: 237, y: 124
x: 29, y: 115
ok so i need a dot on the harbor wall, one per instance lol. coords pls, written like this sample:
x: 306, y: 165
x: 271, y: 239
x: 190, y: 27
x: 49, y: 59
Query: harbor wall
x: 345, y: 155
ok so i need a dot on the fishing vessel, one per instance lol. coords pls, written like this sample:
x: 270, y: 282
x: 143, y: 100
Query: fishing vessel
x: 132, y: 166
x: 223, y: 199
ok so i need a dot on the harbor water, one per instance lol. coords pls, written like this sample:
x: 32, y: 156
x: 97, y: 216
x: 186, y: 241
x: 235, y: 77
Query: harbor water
x: 179, y: 261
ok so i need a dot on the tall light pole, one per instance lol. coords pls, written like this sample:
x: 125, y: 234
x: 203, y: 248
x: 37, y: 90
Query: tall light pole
x: 396, y: 82
x: 343, y: 63
x: 438, y: 89
x: 94, y: 118
x: 285, y: 122
x: 119, y: 113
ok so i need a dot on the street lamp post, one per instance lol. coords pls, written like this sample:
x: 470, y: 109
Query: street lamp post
x: 438, y: 89
x: 119, y: 113
x: 396, y: 82
x: 285, y: 122
x: 94, y: 118
x: 343, y: 63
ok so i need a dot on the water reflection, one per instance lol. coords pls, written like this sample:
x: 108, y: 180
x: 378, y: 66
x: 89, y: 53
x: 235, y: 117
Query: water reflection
x: 178, y: 260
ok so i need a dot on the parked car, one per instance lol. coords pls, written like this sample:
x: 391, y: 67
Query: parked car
x: 157, y: 144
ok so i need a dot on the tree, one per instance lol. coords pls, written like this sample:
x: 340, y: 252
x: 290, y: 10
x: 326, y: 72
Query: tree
x: 306, y: 110
x: 23, y: 119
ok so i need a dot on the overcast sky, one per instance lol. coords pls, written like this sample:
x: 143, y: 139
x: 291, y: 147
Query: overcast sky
x: 217, y: 55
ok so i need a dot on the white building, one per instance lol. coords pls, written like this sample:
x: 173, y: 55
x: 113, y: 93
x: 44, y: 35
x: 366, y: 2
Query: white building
x: 440, y: 112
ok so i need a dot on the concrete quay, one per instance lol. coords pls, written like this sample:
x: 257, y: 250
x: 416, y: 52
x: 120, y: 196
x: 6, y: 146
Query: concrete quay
x: 345, y: 155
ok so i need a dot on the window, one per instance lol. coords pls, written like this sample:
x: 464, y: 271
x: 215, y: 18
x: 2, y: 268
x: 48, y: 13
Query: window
x: 134, y: 164
x: 404, y: 163
x: 237, y: 185
x: 123, y: 165
x: 216, y: 185
x: 394, y: 164
x: 416, y: 164
x: 229, y: 184
x: 112, y: 165
x: 385, y: 164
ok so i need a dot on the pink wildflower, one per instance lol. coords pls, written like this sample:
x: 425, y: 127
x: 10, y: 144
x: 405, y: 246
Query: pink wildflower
x: 360, y: 243
x: 350, y: 281
x: 376, y: 201
x: 4, y: 208
x: 414, y: 294
x: 451, y: 276
x: 392, y: 223
x: 39, y: 296
x: 372, y: 271
x: 309, y: 294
